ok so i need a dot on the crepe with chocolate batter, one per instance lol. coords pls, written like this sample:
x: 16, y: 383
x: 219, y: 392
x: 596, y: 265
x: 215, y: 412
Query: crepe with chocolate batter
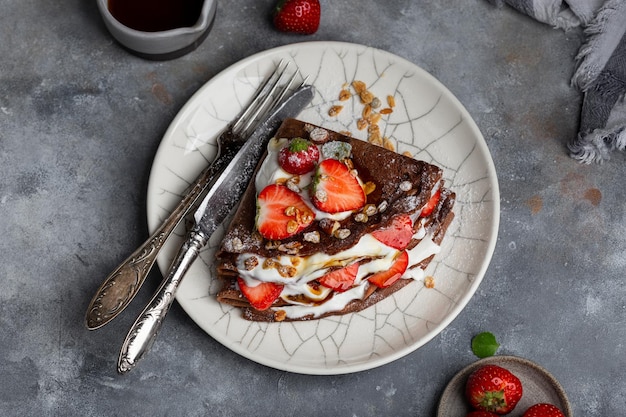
x: 402, y: 185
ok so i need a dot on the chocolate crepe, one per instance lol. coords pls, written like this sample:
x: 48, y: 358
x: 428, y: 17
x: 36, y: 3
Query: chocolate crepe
x: 402, y: 185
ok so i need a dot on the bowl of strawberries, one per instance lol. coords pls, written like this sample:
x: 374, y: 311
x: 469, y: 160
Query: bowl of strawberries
x: 504, y: 385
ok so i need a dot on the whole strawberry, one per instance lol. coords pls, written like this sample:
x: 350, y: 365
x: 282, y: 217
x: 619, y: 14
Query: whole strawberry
x: 298, y: 16
x: 299, y: 156
x: 543, y: 410
x: 494, y: 389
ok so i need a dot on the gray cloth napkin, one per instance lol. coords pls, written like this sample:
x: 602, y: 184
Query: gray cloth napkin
x: 600, y: 73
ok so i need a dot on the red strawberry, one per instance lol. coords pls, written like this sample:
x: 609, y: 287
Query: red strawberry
x: 260, y: 296
x: 299, y: 156
x: 340, y: 279
x: 281, y: 212
x: 432, y: 203
x: 299, y: 16
x: 386, y: 278
x: 494, y: 389
x: 398, y: 234
x: 335, y: 189
x: 480, y: 413
x: 543, y: 410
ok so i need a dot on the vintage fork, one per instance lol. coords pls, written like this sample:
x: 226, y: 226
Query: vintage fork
x: 121, y: 286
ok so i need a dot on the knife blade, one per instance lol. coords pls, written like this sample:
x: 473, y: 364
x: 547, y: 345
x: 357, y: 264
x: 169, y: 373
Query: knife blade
x: 222, y: 196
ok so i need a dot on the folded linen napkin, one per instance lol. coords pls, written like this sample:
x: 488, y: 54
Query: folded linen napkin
x: 601, y: 69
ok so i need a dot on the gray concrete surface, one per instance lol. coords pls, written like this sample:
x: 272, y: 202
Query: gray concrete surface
x: 81, y: 119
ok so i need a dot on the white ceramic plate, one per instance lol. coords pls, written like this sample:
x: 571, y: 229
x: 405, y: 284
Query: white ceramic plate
x: 428, y: 121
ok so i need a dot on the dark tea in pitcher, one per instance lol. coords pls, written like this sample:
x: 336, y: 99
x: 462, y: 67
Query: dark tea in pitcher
x: 156, y: 15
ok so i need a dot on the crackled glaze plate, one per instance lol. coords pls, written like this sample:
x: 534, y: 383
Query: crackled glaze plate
x: 428, y: 121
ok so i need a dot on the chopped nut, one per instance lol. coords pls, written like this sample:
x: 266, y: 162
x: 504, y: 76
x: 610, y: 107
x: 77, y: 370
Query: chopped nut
x: 359, y: 86
x: 290, y: 211
x: 344, y: 95
x: 304, y: 218
x: 370, y: 209
x: 366, y: 97
x: 342, y: 233
x: 382, y: 206
x: 367, y: 111
x: 321, y: 195
x: 374, y: 118
x: 361, y: 124
x: 292, y: 226
x: 291, y: 248
x: 236, y: 244
x: 361, y: 218
x: 391, y: 101
x: 272, y: 244
x: 329, y: 226
x: 386, y: 110
x: 407, y: 153
x: 369, y: 187
x: 405, y: 185
x: 375, y: 139
x: 280, y: 315
x: 312, y: 237
x: 335, y: 110
x: 286, y: 271
x: 319, y: 135
x: 376, y: 103
x: 251, y: 263
x: 269, y: 263
x: 293, y: 185
x: 429, y: 282
x: 388, y: 144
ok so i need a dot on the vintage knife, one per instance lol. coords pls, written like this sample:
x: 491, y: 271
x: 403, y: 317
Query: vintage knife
x: 223, y: 195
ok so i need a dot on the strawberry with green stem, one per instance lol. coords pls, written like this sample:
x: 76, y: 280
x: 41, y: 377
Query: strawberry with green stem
x: 494, y: 389
x: 297, y: 16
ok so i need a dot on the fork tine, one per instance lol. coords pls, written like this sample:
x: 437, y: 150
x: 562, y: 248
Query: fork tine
x: 275, y: 96
x: 260, y: 99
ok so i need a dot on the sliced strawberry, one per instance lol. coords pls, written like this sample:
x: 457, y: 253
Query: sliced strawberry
x: 340, y: 279
x: 281, y: 212
x: 386, y: 278
x: 298, y: 16
x: 299, y: 156
x: 432, y: 203
x: 398, y: 234
x: 335, y: 189
x: 261, y: 296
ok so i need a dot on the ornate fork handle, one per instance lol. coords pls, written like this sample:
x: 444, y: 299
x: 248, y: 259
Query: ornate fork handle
x: 121, y: 286
x: 145, y: 329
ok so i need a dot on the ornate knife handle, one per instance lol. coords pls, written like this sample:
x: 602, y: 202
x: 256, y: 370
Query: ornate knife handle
x: 145, y: 329
x: 121, y: 286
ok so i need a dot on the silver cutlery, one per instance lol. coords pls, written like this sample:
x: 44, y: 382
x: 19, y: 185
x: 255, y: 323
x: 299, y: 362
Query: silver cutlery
x: 222, y: 196
x: 121, y: 286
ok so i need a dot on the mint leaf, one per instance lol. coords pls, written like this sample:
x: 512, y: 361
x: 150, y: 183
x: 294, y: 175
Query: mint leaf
x: 484, y: 345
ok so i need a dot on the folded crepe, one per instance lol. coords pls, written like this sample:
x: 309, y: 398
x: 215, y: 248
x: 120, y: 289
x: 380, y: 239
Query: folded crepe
x: 396, y: 185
